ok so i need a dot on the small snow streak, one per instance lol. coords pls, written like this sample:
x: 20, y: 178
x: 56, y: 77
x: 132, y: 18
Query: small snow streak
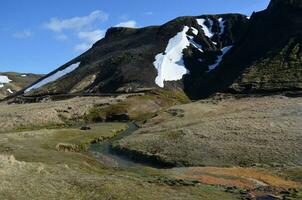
x: 207, y: 30
x: 219, y: 59
x: 195, y: 44
x: 53, y: 77
x: 221, y: 25
x: 194, y: 30
x: 10, y: 91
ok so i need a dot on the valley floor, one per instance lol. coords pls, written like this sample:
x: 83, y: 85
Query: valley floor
x: 240, y: 148
x: 242, y: 132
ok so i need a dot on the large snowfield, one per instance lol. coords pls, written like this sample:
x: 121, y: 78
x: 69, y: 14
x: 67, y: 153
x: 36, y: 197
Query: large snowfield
x: 170, y: 64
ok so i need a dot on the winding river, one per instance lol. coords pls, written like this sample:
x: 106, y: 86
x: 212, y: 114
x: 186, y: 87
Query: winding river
x: 104, y: 153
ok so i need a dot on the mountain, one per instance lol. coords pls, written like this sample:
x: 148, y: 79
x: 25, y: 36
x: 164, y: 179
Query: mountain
x: 267, y: 58
x: 198, y: 55
x: 129, y: 59
x: 11, y: 82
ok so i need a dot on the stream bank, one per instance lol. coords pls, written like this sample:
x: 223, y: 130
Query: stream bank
x: 118, y: 158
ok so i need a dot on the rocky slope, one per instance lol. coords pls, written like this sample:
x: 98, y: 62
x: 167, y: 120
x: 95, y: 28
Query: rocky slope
x: 11, y: 82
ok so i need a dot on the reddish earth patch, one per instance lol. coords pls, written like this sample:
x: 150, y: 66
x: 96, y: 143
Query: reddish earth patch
x: 212, y: 180
x: 246, y: 178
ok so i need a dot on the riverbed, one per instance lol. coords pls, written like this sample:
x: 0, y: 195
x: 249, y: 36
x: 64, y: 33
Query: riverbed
x: 105, y: 154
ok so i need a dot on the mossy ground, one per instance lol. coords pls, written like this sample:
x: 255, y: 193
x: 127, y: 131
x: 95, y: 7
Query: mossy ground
x: 240, y: 132
x: 138, y: 107
x: 32, y: 168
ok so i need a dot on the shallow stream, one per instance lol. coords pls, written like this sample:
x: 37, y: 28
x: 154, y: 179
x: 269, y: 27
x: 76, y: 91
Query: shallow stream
x: 104, y: 153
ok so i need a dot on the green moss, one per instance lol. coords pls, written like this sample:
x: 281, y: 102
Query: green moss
x: 95, y: 114
x: 294, y: 195
x: 100, y: 114
x: 116, y: 109
x: 173, y: 96
x: 78, y: 140
x: 281, y: 70
x: 72, y: 174
x: 175, y: 135
x: 39, y: 127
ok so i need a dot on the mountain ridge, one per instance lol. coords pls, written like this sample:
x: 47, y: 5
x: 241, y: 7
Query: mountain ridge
x: 199, y: 55
x: 123, y: 60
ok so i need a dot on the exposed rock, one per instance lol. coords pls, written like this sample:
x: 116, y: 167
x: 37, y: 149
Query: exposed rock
x: 85, y: 128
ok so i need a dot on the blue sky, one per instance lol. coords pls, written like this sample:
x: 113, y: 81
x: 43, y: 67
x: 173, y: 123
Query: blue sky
x: 40, y: 35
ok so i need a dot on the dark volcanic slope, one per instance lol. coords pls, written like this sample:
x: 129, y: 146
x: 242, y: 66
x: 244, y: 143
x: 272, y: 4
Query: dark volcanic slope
x: 201, y: 55
x: 268, y: 58
x: 123, y: 60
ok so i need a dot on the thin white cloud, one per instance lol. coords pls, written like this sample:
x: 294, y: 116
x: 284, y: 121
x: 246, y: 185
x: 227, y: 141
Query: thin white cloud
x: 124, y: 17
x: 149, y: 13
x: 128, y: 24
x: 92, y: 36
x: 76, y: 23
x: 23, y: 34
x: 82, y: 47
x: 89, y: 38
x: 61, y: 37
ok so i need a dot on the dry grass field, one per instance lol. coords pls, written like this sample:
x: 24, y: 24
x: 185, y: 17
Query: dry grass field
x: 32, y: 168
x: 241, y: 132
x: 43, y: 152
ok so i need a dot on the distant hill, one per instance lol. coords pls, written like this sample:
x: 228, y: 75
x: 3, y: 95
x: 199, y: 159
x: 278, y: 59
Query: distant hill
x: 11, y: 82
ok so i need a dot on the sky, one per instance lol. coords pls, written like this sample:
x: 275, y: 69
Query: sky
x: 39, y: 36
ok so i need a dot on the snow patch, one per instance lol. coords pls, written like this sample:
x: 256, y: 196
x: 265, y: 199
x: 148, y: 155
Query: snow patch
x: 1, y: 85
x: 219, y: 59
x: 194, y: 30
x: 221, y: 25
x: 23, y: 75
x: 10, y: 91
x: 54, y: 77
x: 4, y: 79
x: 195, y: 44
x: 207, y: 31
x: 170, y: 64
